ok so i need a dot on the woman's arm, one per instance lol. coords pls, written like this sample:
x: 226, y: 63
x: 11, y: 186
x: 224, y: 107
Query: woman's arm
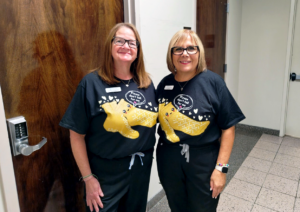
x: 92, y: 186
x: 218, y: 179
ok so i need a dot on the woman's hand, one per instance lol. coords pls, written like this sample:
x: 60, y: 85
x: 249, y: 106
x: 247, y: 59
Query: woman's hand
x: 217, y: 182
x: 93, y: 193
x: 218, y: 179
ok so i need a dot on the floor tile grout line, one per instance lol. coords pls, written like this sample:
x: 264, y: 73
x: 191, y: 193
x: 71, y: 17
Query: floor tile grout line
x: 264, y: 149
x: 274, y: 159
x: 239, y: 198
x: 269, y: 169
x: 267, y: 141
x: 264, y: 182
x: 267, y: 207
x: 261, y: 158
x: 289, y: 155
x: 246, y: 181
x: 296, y: 196
x: 264, y: 187
x: 287, y: 166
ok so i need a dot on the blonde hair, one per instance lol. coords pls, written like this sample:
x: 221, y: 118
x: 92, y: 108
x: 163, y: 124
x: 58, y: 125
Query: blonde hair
x: 182, y: 36
x: 137, y: 68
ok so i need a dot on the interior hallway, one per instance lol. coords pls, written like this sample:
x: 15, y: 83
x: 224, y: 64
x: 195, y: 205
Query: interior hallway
x: 264, y: 174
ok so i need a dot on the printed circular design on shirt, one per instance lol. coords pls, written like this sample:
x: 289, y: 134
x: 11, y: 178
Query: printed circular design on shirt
x: 135, y: 98
x: 183, y: 102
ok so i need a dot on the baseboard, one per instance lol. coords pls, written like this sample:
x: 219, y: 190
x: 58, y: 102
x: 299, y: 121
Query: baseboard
x: 261, y: 129
x: 152, y: 202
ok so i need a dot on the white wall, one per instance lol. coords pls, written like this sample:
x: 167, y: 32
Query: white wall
x: 262, y: 61
x: 234, y: 21
x: 157, y: 22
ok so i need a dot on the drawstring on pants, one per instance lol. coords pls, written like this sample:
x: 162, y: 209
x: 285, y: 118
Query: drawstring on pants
x: 185, y: 150
x: 140, y: 154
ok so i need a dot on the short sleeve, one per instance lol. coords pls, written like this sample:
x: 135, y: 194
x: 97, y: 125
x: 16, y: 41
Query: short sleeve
x: 157, y: 91
x: 76, y: 117
x: 229, y: 113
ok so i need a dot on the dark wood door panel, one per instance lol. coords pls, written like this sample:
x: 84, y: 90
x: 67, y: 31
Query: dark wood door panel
x: 211, y: 28
x: 47, y: 46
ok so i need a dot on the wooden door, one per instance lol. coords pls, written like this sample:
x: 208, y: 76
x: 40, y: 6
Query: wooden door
x: 211, y: 28
x: 47, y: 46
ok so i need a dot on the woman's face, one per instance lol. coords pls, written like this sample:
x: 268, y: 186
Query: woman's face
x: 124, y: 53
x: 185, y: 63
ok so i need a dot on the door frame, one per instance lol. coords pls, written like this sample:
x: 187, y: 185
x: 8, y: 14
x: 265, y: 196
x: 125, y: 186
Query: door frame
x: 288, y: 65
x: 7, y: 174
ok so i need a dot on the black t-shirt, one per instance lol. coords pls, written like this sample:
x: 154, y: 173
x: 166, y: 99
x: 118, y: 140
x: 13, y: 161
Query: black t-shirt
x: 117, y: 120
x: 196, y: 114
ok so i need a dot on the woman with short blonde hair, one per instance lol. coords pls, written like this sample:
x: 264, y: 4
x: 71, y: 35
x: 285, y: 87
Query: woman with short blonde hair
x: 179, y: 37
x: 197, y: 115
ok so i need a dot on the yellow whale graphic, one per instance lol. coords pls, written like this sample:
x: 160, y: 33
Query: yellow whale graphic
x: 171, y: 119
x: 123, y: 115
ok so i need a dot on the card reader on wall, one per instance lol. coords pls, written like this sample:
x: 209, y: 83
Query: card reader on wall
x: 18, y: 136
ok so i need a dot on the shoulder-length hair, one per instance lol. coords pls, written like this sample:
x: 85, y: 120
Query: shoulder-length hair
x: 137, y: 68
x: 182, y: 36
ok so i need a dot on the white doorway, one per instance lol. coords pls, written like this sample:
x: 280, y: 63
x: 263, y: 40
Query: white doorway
x: 293, y: 104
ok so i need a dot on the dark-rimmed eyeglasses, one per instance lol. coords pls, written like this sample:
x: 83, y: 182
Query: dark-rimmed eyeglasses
x: 177, y: 50
x: 121, y: 41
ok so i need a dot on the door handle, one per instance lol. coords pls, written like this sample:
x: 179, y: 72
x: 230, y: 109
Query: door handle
x: 18, y: 134
x: 294, y: 77
x: 26, y: 149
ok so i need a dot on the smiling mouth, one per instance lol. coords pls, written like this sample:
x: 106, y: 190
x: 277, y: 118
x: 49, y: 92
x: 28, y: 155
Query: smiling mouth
x: 124, y: 53
x: 185, y: 62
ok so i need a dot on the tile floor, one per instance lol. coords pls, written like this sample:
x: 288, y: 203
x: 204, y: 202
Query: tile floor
x: 266, y: 181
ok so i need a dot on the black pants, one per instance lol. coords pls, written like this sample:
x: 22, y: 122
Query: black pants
x: 187, y: 184
x: 124, y: 190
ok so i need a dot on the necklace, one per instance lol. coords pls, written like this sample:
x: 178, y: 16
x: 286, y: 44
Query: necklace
x: 127, y: 84
x: 181, y: 87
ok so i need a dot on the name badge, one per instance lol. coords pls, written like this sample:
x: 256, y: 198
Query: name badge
x: 112, y: 90
x: 169, y: 87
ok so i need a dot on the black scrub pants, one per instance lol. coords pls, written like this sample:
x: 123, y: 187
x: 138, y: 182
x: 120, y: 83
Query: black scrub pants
x: 124, y: 190
x: 187, y: 184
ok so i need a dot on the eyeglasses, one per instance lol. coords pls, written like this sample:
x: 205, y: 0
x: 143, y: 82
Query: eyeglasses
x: 121, y: 41
x: 177, y: 50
